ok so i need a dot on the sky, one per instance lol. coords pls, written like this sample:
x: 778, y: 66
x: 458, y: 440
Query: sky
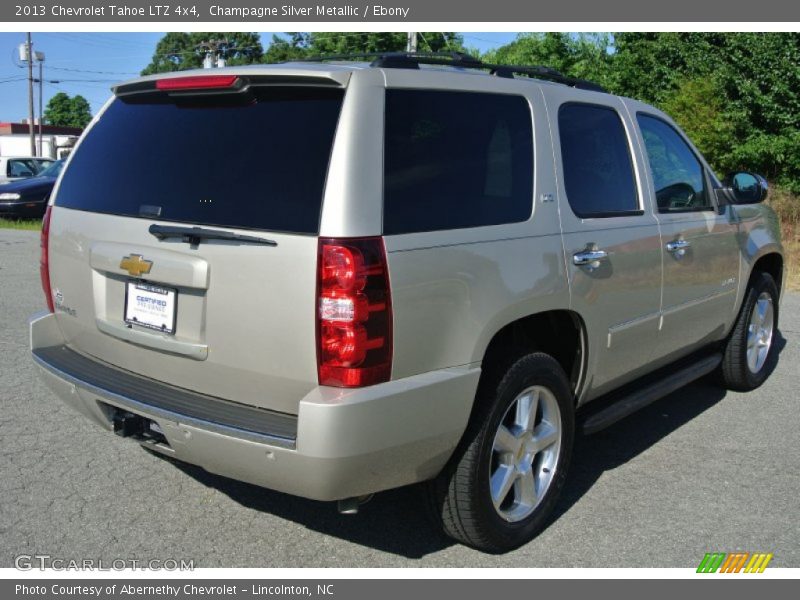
x: 89, y: 63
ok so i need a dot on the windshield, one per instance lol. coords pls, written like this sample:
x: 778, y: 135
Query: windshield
x: 52, y: 170
x: 259, y: 165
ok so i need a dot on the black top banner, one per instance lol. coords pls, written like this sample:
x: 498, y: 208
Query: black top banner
x: 487, y: 11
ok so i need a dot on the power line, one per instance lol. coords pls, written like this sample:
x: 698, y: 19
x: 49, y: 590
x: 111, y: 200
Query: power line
x: 480, y: 39
x: 95, y: 72
x: 427, y: 43
x: 85, y: 39
x: 78, y: 80
x: 72, y: 70
x: 98, y: 38
x: 119, y: 57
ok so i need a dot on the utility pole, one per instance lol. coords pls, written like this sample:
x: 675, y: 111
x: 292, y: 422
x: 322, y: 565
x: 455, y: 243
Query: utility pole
x: 213, y: 53
x: 29, y: 53
x: 40, y: 60
x: 411, y: 41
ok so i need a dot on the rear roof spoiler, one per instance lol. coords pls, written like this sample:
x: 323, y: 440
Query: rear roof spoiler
x: 194, y: 83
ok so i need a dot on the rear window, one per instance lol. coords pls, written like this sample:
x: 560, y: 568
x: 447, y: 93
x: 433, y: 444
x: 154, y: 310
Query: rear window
x: 456, y: 160
x: 256, y: 166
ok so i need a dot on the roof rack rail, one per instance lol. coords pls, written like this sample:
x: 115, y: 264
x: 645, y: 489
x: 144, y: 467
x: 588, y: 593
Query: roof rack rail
x: 412, y: 60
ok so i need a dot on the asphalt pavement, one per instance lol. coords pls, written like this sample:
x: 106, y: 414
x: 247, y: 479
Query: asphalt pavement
x: 699, y: 471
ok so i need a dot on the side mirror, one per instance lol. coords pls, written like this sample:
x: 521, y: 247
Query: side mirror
x: 746, y: 188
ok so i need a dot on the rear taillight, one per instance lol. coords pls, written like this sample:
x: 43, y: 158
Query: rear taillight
x: 354, y: 313
x: 44, y: 260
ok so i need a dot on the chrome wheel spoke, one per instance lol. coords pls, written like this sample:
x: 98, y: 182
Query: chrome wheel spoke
x: 544, y: 436
x: 505, y: 441
x: 752, y: 359
x: 761, y: 311
x: 525, y: 492
x: 501, y: 483
x: 752, y: 336
x: 527, y: 406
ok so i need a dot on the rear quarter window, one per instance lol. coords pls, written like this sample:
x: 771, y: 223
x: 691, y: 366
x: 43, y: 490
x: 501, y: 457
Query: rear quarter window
x: 255, y: 165
x: 455, y: 160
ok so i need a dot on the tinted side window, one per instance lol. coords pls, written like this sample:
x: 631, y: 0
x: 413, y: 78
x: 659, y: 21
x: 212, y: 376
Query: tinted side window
x: 598, y: 172
x: 456, y: 159
x: 677, y: 174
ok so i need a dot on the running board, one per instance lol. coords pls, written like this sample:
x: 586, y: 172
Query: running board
x: 630, y: 402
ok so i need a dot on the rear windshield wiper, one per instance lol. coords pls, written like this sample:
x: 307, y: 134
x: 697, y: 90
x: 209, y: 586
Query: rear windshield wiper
x: 193, y: 235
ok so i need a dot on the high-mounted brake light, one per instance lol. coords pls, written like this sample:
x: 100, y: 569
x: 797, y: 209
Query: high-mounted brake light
x: 198, y: 82
x: 354, y: 313
x: 44, y: 260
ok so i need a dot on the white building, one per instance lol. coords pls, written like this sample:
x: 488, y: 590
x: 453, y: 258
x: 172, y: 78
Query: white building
x: 57, y: 142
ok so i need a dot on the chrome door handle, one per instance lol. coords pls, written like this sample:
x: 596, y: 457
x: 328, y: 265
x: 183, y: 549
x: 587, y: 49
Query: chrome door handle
x: 589, y: 257
x: 678, y: 245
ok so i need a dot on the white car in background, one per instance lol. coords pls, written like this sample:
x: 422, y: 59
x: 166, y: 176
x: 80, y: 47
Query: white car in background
x: 20, y: 167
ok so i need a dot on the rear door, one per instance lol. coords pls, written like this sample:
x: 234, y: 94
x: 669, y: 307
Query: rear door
x: 232, y: 318
x: 611, y: 238
x: 699, y: 246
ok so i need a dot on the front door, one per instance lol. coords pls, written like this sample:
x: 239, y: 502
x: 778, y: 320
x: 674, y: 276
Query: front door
x: 611, y: 238
x: 699, y: 247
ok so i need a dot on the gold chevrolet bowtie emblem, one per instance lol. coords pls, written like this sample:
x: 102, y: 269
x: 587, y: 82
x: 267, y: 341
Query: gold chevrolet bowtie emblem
x: 136, y: 265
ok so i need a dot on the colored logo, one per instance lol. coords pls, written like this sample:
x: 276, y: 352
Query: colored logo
x: 735, y: 562
x: 136, y: 265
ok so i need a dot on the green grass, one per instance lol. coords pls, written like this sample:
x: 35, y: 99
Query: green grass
x: 26, y: 224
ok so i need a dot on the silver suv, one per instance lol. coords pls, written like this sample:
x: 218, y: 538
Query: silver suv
x: 332, y: 279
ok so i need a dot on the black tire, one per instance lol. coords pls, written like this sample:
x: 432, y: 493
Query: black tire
x: 734, y: 371
x: 460, y: 496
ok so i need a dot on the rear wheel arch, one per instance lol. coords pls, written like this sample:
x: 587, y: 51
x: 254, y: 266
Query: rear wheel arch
x: 558, y: 333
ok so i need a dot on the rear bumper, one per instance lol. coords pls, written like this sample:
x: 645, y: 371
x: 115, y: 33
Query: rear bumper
x: 342, y: 443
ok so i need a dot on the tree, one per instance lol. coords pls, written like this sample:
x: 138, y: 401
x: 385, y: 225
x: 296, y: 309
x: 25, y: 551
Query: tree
x: 578, y: 55
x: 65, y: 111
x: 303, y: 45
x: 698, y: 105
x: 178, y: 51
x: 649, y: 66
x: 285, y: 50
x: 754, y: 98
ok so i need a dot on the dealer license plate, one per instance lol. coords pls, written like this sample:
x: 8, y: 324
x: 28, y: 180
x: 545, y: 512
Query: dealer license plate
x: 151, y: 306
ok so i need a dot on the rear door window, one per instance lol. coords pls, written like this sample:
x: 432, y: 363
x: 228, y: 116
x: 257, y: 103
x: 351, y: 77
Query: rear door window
x: 598, y: 171
x: 456, y: 159
x: 256, y: 165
